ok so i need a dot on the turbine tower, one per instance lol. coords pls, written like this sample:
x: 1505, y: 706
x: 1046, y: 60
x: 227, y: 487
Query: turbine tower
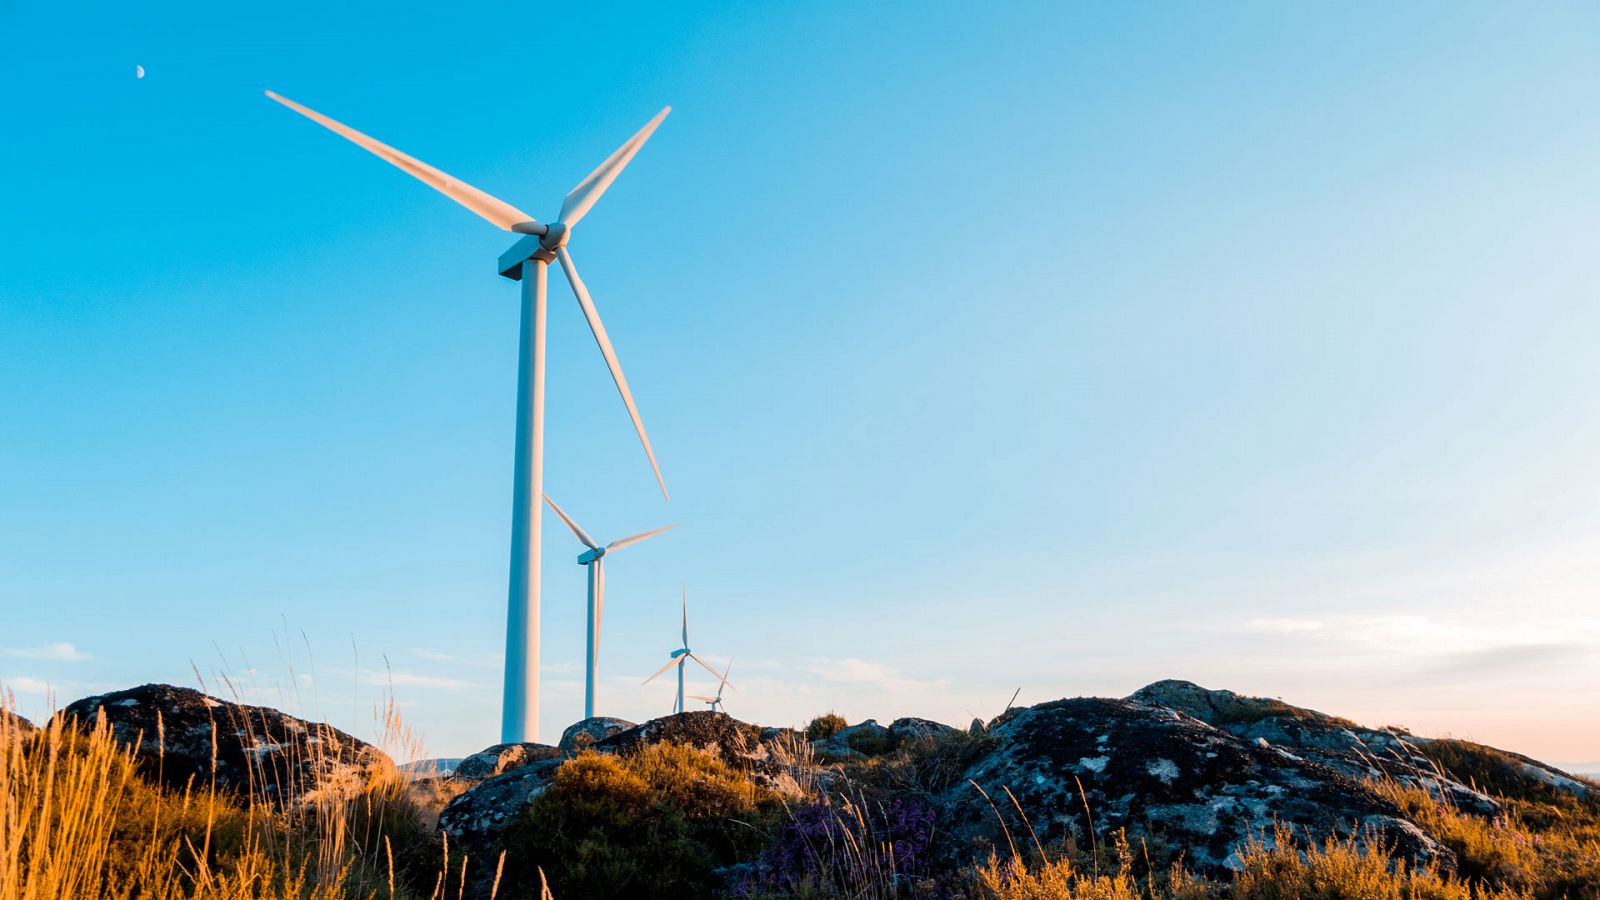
x: 594, y: 559
x: 716, y: 702
x: 527, y: 261
x: 680, y: 657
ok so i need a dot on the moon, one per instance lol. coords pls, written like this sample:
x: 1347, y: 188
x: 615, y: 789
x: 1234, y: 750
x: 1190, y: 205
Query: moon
x: 138, y: 71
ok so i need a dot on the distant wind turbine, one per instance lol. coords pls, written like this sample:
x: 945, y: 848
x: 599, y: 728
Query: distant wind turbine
x: 594, y: 559
x: 716, y: 702
x: 527, y: 261
x: 680, y: 657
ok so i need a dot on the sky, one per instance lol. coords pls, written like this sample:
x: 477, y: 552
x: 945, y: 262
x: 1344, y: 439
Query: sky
x: 1045, y: 348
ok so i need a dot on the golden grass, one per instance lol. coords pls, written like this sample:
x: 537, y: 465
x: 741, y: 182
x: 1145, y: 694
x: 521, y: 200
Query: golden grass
x: 77, y: 820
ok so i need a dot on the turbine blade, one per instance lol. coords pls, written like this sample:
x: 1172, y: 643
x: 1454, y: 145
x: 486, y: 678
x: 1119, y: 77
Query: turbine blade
x: 705, y: 665
x: 700, y: 698
x: 492, y: 208
x: 600, y: 337
x: 686, y: 618
x: 670, y: 664
x: 581, y: 198
x: 630, y: 541
x: 578, y: 532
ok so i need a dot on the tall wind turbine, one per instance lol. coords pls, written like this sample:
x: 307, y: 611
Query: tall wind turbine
x: 594, y: 559
x: 527, y: 261
x: 680, y: 657
x: 716, y: 702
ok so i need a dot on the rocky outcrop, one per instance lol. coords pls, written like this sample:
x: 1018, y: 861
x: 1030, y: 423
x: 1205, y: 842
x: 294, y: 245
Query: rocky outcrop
x: 476, y: 819
x: 259, y: 750
x: 1356, y: 752
x: 855, y: 742
x: 1163, y: 775
x: 588, y: 732
x: 911, y: 728
x: 739, y: 744
x: 500, y: 758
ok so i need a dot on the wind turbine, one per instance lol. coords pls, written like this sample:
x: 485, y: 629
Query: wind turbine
x: 594, y: 559
x: 716, y: 702
x: 527, y: 261
x: 680, y: 657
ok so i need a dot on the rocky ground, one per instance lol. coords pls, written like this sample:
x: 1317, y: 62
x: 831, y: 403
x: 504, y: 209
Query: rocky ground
x: 1183, y: 771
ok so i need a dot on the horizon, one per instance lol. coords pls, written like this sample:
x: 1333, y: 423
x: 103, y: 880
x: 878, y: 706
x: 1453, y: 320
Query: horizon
x: 1057, y: 348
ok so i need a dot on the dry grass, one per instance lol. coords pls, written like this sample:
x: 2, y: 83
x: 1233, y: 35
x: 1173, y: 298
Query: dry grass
x: 77, y: 820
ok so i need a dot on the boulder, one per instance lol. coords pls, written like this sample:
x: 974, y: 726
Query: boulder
x: 738, y: 744
x: 855, y: 742
x: 259, y: 750
x: 1164, y: 776
x: 1340, y: 744
x: 591, y: 731
x: 976, y: 727
x: 914, y: 729
x: 476, y: 819
x: 501, y: 758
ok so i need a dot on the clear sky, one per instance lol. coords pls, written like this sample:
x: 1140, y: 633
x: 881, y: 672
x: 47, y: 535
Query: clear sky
x: 1055, y: 346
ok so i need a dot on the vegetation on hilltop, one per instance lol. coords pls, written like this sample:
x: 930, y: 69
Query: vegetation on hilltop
x: 78, y: 819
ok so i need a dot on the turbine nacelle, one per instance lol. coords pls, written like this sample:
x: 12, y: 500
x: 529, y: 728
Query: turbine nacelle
x: 589, y: 556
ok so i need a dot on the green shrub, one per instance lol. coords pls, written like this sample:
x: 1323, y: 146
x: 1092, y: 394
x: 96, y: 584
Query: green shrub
x: 657, y: 822
x: 826, y: 725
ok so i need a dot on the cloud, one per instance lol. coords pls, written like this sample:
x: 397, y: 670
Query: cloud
x: 385, y: 678
x: 1283, y: 626
x: 23, y: 684
x: 851, y: 670
x: 492, y: 662
x: 1500, y: 661
x: 59, y: 651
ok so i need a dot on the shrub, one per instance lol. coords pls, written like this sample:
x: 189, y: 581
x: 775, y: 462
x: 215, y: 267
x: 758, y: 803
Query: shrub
x: 655, y: 822
x: 826, y: 725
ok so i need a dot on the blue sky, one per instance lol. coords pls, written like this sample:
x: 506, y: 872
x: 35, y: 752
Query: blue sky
x: 1061, y: 346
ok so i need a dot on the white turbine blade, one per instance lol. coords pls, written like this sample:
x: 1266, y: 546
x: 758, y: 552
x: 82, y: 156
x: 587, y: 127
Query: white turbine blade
x: 576, y: 531
x: 492, y: 208
x: 725, y: 681
x: 685, y: 618
x: 705, y: 665
x: 600, y: 337
x: 630, y: 541
x: 670, y: 664
x: 700, y: 698
x: 582, y: 197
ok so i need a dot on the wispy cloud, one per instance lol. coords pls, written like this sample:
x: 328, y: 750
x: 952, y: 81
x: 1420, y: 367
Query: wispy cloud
x: 1283, y: 625
x: 386, y: 677
x: 851, y: 670
x: 59, y: 651
x: 492, y: 662
x: 23, y: 684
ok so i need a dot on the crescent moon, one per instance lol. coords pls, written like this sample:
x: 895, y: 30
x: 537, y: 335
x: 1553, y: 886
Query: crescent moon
x: 138, y: 71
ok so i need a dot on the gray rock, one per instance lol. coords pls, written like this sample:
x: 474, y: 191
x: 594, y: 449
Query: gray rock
x: 476, y: 819
x: 868, y: 737
x: 771, y: 733
x: 914, y: 729
x: 1162, y: 775
x: 502, y: 758
x: 589, y: 732
x: 739, y: 744
x: 977, y: 727
x: 259, y: 750
x: 1340, y: 744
